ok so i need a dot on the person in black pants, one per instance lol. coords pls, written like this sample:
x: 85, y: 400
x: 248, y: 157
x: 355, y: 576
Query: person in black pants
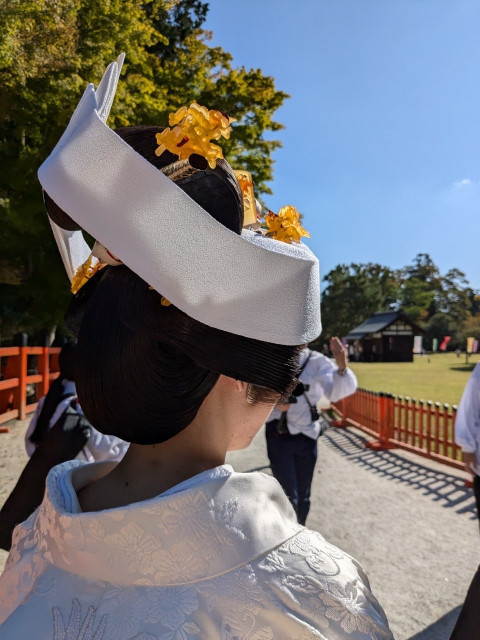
x: 293, y: 428
x: 292, y: 460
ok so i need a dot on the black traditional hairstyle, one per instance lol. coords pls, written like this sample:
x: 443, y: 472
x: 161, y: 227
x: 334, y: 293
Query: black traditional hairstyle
x: 144, y: 369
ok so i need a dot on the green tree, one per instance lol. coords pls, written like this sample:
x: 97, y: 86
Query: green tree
x: 49, y: 51
x: 441, y: 305
x: 416, y: 298
x: 353, y: 293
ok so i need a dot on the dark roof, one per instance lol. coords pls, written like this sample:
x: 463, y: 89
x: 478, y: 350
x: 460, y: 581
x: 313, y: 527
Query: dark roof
x: 378, y: 322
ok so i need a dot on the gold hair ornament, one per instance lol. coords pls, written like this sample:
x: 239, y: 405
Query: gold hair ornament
x: 286, y: 225
x: 85, y: 272
x: 163, y: 301
x: 192, y: 130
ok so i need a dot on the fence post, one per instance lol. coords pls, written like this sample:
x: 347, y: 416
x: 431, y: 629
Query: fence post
x: 385, y: 414
x: 340, y: 408
x: 20, y: 394
x: 421, y: 413
x: 44, y: 371
x: 22, y: 383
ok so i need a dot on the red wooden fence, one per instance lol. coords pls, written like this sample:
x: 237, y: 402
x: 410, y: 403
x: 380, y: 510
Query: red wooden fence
x: 25, y: 376
x: 426, y: 428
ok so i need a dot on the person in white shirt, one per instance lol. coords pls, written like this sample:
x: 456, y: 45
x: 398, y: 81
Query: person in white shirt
x: 293, y: 429
x: 51, y: 407
x: 467, y: 429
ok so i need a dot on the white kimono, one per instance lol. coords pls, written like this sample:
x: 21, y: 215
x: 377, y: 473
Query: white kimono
x: 219, y: 556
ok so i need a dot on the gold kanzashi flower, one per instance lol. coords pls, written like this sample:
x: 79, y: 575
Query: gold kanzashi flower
x: 193, y: 129
x: 85, y: 272
x: 286, y: 225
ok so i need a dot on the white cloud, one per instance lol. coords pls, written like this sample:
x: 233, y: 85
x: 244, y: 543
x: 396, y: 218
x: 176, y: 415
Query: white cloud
x: 460, y: 184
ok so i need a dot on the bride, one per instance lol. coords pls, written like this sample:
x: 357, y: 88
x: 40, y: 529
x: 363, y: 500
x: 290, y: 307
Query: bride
x: 189, y: 332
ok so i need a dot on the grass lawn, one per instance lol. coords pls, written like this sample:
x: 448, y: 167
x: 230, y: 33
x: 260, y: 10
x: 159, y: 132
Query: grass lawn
x: 439, y: 377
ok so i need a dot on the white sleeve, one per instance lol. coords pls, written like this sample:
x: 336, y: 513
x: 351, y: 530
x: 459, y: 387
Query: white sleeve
x: 105, y: 447
x: 467, y: 423
x: 343, y: 386
x: 30, y: 446
x: 60, y: 410
x: 335, y: 386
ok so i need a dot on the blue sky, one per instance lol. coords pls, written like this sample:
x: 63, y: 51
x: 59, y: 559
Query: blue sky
x: 381, y: 147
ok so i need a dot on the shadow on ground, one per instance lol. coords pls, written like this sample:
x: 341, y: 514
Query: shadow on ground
x: 449, y: 490
x: 463, y: 367
x: 441, y: 629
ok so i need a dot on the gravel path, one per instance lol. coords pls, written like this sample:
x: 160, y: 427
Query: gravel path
x: 410, y: 522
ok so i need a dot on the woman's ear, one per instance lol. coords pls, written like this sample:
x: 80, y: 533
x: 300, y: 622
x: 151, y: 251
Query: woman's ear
x: 233, y: 385
x: 241, y: 387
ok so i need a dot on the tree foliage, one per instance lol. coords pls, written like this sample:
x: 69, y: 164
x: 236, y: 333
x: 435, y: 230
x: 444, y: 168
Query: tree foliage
x: 49, y: 51
x: 440, y: 304
x: 353, y: 293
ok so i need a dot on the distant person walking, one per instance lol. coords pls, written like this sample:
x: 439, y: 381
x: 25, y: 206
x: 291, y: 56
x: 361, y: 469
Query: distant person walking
x: 293, y: 428
x: 467, y: 429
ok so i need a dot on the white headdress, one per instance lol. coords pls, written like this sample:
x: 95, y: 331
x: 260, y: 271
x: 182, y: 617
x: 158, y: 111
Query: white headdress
x: 246, y: 284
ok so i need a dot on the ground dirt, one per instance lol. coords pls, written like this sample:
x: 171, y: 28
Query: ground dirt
x: 411, y: 522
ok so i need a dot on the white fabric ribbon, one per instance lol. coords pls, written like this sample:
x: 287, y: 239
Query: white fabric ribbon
x: 248, y: 285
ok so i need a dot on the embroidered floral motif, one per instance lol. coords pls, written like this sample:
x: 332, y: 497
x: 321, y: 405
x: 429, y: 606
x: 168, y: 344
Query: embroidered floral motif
x: 320, y: 557
x: 301, y: 583
x: 243, y: 600
x: 192, y: 507
x: 77, y: 629
x: 349, y: 606
x: 273, y: 562
x: 171, y: 606
x: 185, y: 631
x: 126, y: 608
x: 136, y: 546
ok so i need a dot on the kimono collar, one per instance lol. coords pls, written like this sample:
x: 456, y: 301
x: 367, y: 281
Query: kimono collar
x: 181, y: 537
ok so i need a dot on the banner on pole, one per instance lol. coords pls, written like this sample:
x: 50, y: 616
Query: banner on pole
x: 434, y: 344
x: 446, y: 340
x: 470, y: 342
x: 417, y: 344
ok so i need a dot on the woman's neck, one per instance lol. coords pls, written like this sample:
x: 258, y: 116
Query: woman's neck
x: 225, y: 421
x: 148, y: 470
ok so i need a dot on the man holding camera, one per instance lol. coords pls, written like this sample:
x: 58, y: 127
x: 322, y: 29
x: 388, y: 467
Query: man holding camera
x: 293, y: 429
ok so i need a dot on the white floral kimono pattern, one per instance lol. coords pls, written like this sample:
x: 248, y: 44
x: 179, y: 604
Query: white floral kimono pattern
x: 224, y: 559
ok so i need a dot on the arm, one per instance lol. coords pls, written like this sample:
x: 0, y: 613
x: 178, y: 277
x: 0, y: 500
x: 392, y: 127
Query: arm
x: 343, y: 385
x: 59, y: 445
x: 337, y: 380
x: 467, y: 423
x: 30, y: 446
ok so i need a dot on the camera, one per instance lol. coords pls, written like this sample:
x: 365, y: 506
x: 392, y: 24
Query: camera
x: 297, y: 392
